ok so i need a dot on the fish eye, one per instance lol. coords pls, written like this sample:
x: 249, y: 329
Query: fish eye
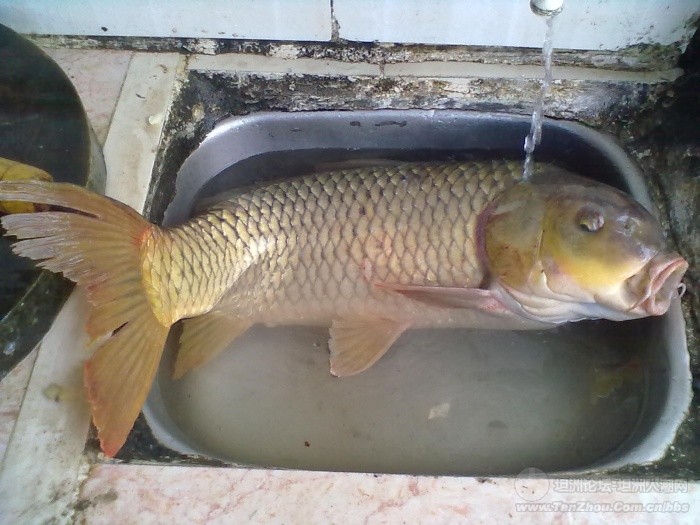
x: 630, y: 224
x: 589, y: 219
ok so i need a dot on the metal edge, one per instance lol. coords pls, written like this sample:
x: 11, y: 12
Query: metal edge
x: 654, y: 444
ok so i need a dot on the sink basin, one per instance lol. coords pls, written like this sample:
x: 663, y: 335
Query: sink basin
x: 586, y: 396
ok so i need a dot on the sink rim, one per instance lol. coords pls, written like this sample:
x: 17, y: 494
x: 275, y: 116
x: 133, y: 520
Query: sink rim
x: 653, y: 443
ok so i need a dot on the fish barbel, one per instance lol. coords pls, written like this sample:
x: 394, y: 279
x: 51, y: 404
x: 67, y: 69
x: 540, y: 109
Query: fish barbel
x: 369, y: 251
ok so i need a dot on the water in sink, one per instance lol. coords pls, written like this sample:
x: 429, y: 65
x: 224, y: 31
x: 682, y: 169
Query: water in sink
x: 440, y: 402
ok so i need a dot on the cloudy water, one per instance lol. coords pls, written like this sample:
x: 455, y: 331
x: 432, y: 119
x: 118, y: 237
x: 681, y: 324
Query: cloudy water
x: 466, y: 402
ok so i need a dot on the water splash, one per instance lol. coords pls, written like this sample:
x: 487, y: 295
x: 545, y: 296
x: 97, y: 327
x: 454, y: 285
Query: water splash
x: 535, y: 136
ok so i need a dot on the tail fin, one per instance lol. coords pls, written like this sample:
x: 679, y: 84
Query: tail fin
x: 96, y: 242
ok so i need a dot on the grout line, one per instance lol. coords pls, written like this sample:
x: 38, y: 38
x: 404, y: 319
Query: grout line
x: 335, y: 25
x: 119, y: 96
x: 479, y: 70
x: 241, y: 62
x: 245, y: 63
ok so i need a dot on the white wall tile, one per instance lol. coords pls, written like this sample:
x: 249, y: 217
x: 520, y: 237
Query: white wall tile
x: 255, y: 19
x: 583, y: 24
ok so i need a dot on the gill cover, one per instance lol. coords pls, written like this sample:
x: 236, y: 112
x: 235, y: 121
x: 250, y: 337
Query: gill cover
x: 513, y: 235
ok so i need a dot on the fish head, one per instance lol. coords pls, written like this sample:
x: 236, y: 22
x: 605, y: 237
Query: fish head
x: 571, y: 249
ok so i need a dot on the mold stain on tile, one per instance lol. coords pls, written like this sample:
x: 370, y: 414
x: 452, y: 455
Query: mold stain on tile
x: 102, y: 499
x: 638, y: 57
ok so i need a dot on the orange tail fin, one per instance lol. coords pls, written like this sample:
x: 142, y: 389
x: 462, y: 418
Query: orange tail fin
x: 96, y: 242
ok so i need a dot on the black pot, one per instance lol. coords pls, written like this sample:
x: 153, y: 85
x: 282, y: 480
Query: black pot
x: 42, y: 123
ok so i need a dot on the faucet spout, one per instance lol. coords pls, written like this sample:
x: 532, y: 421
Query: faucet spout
x: 546, y: 7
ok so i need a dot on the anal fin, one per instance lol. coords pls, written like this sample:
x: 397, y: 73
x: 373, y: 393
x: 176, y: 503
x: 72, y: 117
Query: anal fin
x: 204, y: 337
x: 357, y: 344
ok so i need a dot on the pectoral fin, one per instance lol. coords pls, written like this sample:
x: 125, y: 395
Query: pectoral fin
x: 357, y: 344
x: 445, y: 297
x: 204, y: 337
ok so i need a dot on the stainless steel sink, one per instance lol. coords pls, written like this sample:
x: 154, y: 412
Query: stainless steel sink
x: 586, y: 396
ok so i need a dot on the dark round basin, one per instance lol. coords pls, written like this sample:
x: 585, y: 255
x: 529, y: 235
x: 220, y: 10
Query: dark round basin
x: 42, y: 123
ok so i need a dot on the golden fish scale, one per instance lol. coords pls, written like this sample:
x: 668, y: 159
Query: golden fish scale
x: 314, y: 248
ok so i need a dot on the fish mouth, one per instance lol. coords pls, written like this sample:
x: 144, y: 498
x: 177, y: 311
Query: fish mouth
x: 663, y: 276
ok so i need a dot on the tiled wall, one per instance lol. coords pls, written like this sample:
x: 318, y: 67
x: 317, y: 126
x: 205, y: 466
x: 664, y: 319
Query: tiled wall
x: 258, y: 19
x: 584, y: 24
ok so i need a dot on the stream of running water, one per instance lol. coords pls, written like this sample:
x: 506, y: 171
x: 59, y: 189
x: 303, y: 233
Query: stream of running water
x: 533, y: 138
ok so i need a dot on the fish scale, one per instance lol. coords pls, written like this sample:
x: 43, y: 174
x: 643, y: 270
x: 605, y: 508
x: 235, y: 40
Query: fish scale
x: 318, y: 245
